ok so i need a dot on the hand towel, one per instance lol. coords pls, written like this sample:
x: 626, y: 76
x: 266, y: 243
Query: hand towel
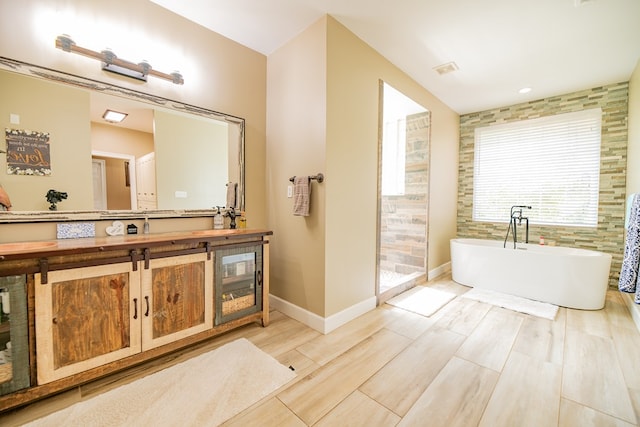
x: 631, y: 260
x: 301, y: 195
x: 232, y: 192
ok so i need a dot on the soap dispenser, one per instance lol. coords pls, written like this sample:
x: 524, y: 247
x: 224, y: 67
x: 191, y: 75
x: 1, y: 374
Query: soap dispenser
x: 218, y: 219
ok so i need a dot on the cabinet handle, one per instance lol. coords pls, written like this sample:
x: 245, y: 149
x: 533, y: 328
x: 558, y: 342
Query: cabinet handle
x: 135, y: 308
x: 259, y: 274
x: 146, y: 298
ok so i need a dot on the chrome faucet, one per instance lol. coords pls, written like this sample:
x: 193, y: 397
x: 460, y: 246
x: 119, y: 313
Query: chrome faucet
x: 516, y: 219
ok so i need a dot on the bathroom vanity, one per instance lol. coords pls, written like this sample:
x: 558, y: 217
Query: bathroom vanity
x: 85, y: 308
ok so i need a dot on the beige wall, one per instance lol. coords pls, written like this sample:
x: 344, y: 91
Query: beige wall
x: 354, y: 71
x: 219, y: 74
x: 113, y: 139
x: 180, y: 143
x: 118, y: 194
x: 296, y: 134
x: 55, y: 109
x: 633, y: 148
x: 323, y: 117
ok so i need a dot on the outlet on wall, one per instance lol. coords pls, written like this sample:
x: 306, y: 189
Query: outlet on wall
x: 290, y: 191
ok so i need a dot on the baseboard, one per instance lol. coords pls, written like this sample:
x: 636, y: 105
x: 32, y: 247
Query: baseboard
x: 439, y: 271
x: 322, y: 324
x: 328, y: 324
x: 634, y: 309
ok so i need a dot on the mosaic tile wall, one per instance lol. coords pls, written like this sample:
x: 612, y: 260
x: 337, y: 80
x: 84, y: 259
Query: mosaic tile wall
x: 403, y: 219
x: 609, y: 234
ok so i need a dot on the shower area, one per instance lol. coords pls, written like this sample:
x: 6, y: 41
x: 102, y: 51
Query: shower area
x: 403, y: 193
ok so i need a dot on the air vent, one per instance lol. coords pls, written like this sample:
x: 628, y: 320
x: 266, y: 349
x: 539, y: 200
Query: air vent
x: 447, y: 68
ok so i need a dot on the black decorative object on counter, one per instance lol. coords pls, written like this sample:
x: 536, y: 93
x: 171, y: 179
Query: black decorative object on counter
x: 54, y: 197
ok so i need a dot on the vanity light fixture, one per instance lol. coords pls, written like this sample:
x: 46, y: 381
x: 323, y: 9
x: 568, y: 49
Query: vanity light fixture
x: 114, y: 116
x: 111, y: 63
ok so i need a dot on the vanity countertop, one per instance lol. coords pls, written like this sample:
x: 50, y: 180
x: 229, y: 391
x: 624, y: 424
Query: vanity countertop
x: 131, y: 241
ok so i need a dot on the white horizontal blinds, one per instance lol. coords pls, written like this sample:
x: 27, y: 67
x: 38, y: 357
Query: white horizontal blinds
x: 551, y: 163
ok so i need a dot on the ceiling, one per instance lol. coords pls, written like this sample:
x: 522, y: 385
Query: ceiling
x: 499, y: 46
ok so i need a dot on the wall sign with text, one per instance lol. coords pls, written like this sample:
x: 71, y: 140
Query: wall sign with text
x: 28, y: 153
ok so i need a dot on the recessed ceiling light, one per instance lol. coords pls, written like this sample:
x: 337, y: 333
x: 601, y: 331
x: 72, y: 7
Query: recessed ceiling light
x: 525, y: 90
x: 449, y: 67
x: 114, y: 116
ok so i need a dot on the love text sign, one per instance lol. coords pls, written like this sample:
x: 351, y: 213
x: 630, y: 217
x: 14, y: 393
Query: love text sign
x: 28, y: 152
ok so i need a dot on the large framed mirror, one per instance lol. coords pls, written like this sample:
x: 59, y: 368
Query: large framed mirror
x: 166, y: 156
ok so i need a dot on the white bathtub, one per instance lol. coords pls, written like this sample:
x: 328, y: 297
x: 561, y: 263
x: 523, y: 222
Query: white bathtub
x: 574, y: 278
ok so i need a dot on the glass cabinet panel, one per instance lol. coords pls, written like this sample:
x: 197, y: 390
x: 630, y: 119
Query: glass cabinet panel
x: 238, y: 279
x: 14, y: 354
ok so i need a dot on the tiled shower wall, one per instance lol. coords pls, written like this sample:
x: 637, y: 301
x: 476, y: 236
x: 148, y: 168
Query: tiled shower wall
x: 609, y: 235
x: 403, y: 219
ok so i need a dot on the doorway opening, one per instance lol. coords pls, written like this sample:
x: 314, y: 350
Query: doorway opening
x: 114, y: 181
x: 403, y: 193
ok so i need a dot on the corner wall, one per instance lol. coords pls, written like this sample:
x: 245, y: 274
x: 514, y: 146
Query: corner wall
x: 323, y: 89
x: 353, y: 75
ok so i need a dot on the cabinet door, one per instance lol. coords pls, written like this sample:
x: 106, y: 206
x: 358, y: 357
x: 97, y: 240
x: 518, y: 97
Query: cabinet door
x: 238, y: 282
x: 86, y: 317
x: 177, y: 299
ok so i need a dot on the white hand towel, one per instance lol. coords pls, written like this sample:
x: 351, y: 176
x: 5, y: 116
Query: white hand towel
x: 232, y: 191
x: 301, y: 195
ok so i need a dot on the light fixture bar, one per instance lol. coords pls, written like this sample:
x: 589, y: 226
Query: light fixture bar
x: 110, y: 62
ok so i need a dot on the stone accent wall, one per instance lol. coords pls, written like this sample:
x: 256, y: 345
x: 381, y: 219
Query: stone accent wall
x: 609, y: 234
x: 403, y: 219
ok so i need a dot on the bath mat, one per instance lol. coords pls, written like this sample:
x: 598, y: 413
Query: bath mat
x: 203, y: 391
x: 512, y: 302
x: 422, y: 300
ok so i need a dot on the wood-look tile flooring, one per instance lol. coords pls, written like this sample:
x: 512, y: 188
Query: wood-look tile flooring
x: 470, y: 364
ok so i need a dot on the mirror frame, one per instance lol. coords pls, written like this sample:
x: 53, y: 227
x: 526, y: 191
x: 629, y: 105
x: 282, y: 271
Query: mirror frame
x: 31, y: 70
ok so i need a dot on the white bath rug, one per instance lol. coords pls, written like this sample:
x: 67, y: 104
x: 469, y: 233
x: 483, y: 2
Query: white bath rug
x: 512, y: 302
x: 422, y: 300
x: 203, y: 391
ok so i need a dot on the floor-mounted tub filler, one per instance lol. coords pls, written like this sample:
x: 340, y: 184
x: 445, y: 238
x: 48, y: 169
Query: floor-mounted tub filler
x: 568, y: 277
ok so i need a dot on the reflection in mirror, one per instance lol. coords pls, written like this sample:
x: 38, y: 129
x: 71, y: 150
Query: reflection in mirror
x: 403, y: 192
x: 165, y: 155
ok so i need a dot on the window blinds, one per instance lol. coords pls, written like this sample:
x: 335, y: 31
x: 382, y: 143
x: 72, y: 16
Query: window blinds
x: 551, y: 163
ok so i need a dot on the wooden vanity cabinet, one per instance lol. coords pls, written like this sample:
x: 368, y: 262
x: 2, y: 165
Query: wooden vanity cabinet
x: 96, y: 306
x: 92, y: 316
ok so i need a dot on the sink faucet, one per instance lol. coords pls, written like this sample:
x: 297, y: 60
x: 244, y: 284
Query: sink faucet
x: 516, y: 219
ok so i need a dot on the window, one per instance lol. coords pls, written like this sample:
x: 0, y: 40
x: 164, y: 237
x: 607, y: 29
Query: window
x: 394, y: 143
x: 396, y: 108
x: 550, y: 163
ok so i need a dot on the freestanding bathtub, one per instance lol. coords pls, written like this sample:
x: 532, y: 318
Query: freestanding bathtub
x: 568, y: 277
